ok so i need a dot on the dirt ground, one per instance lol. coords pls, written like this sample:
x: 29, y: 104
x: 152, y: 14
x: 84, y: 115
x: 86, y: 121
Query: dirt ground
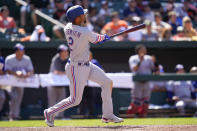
x: 109, y: 128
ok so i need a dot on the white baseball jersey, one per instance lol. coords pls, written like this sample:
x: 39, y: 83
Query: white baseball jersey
x: 145, y: 67
x: 78, y: 40
x: 182, y: 89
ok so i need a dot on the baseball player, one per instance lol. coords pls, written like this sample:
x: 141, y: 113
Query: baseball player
x: 2, y: 93
x: 79, y: 69
x: 56, y: 94
x: 181, y: 92
x: 140, y: 64
x: 20, y: 66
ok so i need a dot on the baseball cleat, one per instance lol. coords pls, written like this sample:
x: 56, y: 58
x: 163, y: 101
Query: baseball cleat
x: 114, y: 119
x: 49, y: 120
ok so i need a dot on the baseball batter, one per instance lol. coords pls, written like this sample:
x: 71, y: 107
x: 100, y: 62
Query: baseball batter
x: 140, y: 64
x: 79, y: 69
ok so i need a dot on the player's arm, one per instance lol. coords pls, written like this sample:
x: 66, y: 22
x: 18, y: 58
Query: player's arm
x: 134, y: 64
x: 97, y: 38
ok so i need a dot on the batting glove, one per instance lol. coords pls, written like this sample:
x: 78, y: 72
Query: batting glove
x: 106, y: 39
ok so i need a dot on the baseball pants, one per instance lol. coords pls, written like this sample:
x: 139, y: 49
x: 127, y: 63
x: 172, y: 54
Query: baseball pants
x: 141, y: 92
x: 180, y: 105
x: 2, y: 99
x: 16, y: 96
x: 78, y: 76
x: 55, y: 95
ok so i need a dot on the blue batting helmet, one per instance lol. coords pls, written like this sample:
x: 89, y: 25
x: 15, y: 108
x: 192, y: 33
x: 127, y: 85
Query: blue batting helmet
x: 74, y: 12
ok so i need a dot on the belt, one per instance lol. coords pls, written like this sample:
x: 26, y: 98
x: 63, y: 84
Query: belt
x: 80, y: 63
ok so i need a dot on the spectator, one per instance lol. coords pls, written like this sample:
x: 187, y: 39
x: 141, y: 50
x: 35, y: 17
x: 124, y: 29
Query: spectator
x: 180, y: 35
x: 115, y: 25
x: 155, y: 6
x: 93, y: 18
x: 188, y: 29
x: 140, y: 64
x: 190, y: 9
x: 137, y: 35
x: 180, y: 92
x: 61, y: 8
x: 131, y: 10
x: 2, y: 93
x: 160, y: 25
x: 166, y: 35
x: 37, y: 35
x: 58, y: 63
x: 148, y: 34
x: 38, y: 4
x: 195, y: 22
x: 148, y: 13
x: 104, y: 13
x: 20, y: 66
x: 6, y: 22
x: 173, y: 22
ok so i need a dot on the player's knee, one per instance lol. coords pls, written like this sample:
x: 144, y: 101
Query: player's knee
x: 77, y: 101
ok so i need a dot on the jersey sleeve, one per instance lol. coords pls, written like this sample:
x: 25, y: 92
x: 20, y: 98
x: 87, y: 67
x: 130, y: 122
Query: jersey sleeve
x: 94, y: 37
x: 8, y: 64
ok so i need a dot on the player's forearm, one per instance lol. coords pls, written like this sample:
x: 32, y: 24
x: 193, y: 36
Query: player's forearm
x: 59, y: 72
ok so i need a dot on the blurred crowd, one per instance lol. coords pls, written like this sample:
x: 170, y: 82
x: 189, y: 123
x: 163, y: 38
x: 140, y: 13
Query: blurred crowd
x: 165, y: 20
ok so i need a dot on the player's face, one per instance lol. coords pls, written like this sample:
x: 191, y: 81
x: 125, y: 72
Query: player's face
x: 19, y: 54
x: 142, y: 51
x: 64, y: 55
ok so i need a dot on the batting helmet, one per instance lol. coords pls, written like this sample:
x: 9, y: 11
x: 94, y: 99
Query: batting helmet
x: 74, y: 12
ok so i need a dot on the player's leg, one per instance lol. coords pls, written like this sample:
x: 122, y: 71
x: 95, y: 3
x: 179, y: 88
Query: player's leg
x: 180, y: 105
x: 16, y: 95
x: 136, y: 94
x: 146, y: 93
x: 97, y: 75
x: 2, y: 99
x: 78, y: 76
x: 61, y: 92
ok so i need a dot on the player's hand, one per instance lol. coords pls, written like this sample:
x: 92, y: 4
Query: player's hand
x: 175, y: 98
x: 106, y: 37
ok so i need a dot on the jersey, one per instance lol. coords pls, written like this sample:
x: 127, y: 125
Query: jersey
x: 58, y: 64
x: 13, y: 64
x: 145, y: 67
x: 182, y: 89
x: 78, y: 39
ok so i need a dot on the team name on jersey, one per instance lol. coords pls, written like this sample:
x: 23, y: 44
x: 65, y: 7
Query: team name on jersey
x: 73, y: 33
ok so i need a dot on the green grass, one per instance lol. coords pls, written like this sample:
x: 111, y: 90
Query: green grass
x: 97, y: 122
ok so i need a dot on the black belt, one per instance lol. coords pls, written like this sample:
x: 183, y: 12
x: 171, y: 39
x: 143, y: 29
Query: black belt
x: 82, y: 63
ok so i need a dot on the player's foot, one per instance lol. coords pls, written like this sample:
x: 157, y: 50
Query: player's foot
x: 49, y: 120
x: 114, y: 119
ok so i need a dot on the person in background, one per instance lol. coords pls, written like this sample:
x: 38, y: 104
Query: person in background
x: 37, y: 35
x: 59, y: 13
x: 180, y: 36
x: 148, y: 14
x: 188, y: 29
x: 131, y: 10
x: 20, y: 66
x: 2, y: 93
x: 193, y: 70
x: 173, y: 22
x: 148, y: 34
x: 136, y: 35
x: 160, y: 25
x: 56, y: 94
x: 166, y: 35
x: 6, y: 22
x: 140, y: 64
x: 115, y: 25
x: 181, y: 92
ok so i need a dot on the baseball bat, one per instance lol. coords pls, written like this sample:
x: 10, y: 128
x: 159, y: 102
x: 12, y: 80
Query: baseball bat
x: 132, y: 29
x: 41, y: 14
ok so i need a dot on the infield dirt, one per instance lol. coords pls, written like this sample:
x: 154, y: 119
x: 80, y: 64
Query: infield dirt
x: 108, y: 128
